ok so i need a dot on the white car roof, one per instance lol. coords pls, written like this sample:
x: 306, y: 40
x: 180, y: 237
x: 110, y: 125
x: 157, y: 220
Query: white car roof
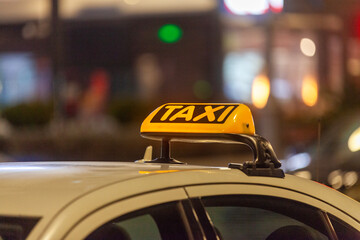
x: 43, y: 189
x: 37, y: 188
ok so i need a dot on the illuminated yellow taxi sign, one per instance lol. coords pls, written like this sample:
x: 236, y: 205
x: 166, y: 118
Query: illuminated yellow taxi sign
x: 199, y: 118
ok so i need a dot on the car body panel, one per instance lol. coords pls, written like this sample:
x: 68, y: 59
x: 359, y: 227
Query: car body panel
x: 64, y: 194
x: 40, y: 188
x: 47, y: 189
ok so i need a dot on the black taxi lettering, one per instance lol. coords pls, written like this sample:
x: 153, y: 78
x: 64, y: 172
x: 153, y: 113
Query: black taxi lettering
x: 193, y: 113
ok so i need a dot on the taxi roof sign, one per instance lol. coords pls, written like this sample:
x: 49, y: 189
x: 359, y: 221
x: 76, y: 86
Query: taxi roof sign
x: 211, y: 122
x: 198, y: 118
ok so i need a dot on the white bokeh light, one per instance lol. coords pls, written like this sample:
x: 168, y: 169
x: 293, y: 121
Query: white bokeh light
x: 350, y: 179
x: 308, y: 47
x: 354, y: 141
x: 242, y: 7
x: 277, y: 4
x: 253, y: 7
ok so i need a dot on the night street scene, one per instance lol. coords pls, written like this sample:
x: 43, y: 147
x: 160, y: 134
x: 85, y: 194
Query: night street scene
x: 86, y: 87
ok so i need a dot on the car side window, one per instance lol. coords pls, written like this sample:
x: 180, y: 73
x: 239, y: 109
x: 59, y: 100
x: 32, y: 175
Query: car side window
x: 261, y: 217
x: 159, y: 222
x: 343, y: 230
x: 16, y: 228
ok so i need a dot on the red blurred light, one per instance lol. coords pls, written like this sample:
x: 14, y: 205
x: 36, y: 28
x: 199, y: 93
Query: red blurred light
x: 356, y: 26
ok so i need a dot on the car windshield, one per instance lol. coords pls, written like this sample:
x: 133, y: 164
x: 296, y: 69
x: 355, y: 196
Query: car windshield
x: 16, y: 228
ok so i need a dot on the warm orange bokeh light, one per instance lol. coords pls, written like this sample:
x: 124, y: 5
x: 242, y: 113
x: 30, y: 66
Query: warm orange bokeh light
x: 309, y: 90
x: 260, y: 91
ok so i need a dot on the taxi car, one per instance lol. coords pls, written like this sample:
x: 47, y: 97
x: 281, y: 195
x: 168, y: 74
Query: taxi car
x: 163, y: 198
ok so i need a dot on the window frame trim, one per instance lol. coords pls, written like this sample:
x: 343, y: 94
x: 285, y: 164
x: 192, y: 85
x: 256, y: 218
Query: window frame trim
x: 198, y: 191
x: 106, y: 213
x: 321, y: 215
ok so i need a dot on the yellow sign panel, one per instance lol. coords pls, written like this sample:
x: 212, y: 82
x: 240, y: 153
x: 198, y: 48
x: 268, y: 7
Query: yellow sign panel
x: 199, y: 118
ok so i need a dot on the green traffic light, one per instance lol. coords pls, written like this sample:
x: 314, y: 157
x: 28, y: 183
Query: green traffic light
x: 170, y: 33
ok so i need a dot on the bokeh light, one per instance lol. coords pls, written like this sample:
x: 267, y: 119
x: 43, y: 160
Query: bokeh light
x: 260, y: 91
x: 247, y: 7
x: 335, y: 179
x: 353, y: 66
x: 297, y: 161
x: 276, y: 5
x: 170, y: 33
x: 307, y: 47
x: 354, y: 141
x: 350, y: 179
x: 255, y: 7
x: 240, y: 70
x: 281, y: 89
x: 309, y: 90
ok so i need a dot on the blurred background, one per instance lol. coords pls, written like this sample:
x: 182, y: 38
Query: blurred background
x: 78, y: 77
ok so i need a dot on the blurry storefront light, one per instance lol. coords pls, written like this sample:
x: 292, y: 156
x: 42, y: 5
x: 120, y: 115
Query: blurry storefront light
x: 116, y: 8
x: 350, y: 179
x: 353, y: 66
x: 240, y: 70
x: 276, y: 5
x: 307, y: 47
x: 354, y: 141
x: 309, y: 90
x: 242, y: 7
x: 170, y: 33
x: 335, y: 179
x: 253, y: 7
x: 12, y: 11
x: 260, y: 91
x: 338, y: 178
x: 297, y: 161
x: 281, y: 89
x: 18, y: 77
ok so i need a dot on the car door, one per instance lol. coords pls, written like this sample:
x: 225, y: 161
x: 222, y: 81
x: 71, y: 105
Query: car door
x: 251, y: 211
x: 164, y: 214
